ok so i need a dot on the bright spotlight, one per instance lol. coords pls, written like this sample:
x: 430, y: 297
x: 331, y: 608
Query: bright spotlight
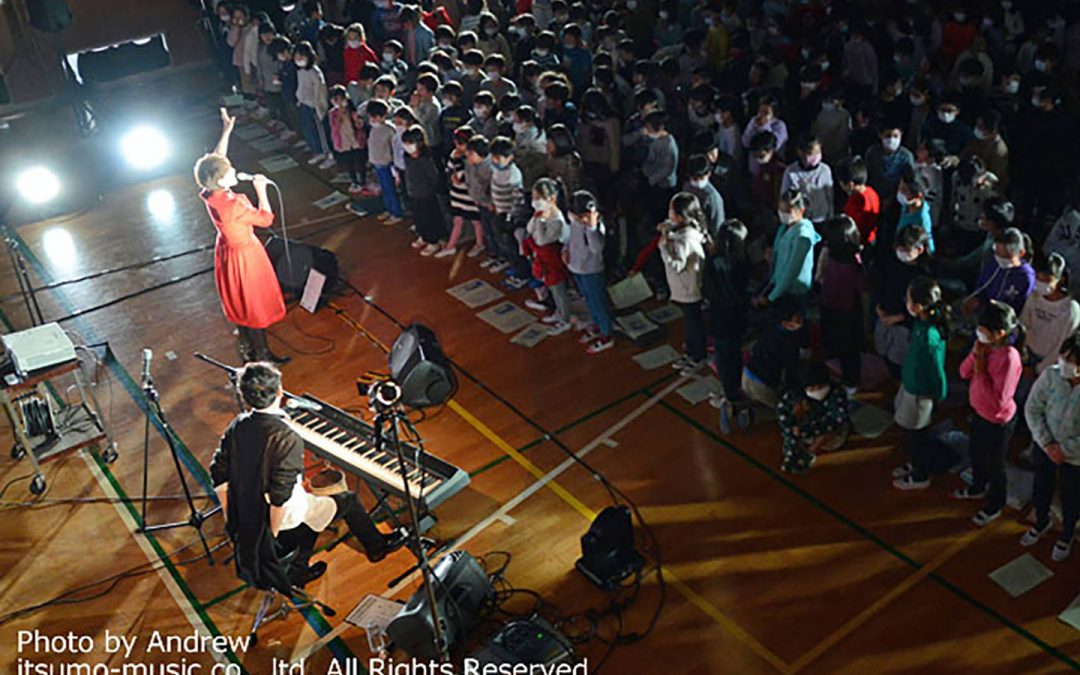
x: 38, y: 185
x: 145, y: 147
x: 161, y: 205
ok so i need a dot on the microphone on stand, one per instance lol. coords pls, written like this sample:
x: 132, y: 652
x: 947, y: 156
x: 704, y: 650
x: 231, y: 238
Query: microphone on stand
x: 147, y: 355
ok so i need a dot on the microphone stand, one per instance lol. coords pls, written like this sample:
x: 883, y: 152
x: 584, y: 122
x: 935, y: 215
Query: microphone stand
x: 385, y: 399
x: 196, y: 518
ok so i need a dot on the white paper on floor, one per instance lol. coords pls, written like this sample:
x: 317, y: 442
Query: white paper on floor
x: 278, y: 163
x: 656, y: 358
x: 530, y: 336
x: 475, y: 293
x: 1021, y: 575
x: 232, y: 100
x: 629, y: 292
x: 268, y: 144
x: 870, y: 421
x: 250, y: 132
x: 664, y: 313
x: 1020, y: 483
x: 330, y: 200
x: 699, y: 390
x: 1071, y: 615
x: 506, y: 317
x: 635, y: 325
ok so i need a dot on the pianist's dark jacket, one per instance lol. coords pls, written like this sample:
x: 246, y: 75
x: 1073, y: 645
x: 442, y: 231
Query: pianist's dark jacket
x: 259, y: 455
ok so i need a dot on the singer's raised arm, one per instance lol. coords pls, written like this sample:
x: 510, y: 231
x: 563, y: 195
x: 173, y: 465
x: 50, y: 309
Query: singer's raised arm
x: 227, y: 122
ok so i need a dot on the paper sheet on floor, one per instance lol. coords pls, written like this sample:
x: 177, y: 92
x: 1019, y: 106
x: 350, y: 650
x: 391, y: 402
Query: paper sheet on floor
x: 1020, y: 483
x: 656, y: 358
x: 531, y: 336
x: 250, y: 132
x: 664, y: 313
x: 475, y: 293
x: 1021, y: 575
x: 278, y: 163
x: 699, y: 390
x: 635, y: 325
x: 870, y: 421
x: 1071, y: 615
x: 506, y: 317
x: 341, y: 178
x: 268, y: 144
x: 330, y: 200
x: 232, y: 100
x: 629, y: 292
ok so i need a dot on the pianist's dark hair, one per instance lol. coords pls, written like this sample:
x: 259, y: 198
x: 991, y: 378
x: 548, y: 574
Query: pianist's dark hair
x: 259, y: 383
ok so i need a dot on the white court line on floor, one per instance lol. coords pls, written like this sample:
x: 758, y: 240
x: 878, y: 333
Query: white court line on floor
x: 503, y: 511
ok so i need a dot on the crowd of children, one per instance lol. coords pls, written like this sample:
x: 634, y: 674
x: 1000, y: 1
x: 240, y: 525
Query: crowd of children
x: 804, y: 180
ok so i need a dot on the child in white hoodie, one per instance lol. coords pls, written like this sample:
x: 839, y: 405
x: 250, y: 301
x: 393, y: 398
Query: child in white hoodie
x: 682, y: 248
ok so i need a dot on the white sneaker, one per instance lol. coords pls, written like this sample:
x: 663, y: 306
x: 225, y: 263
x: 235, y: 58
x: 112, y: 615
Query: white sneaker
x: 429, y: 250
x: 328, y: 162
x: 558, y: 328
x: 903, y: 470
x: 392, y: 220
x: 475, y: 251
x: 553, y: 319
x: 287, y: 136
x: 300, y: 144
x: 1062, y: 549
x: 446, y: 253
x: 536, y: 304
x: 909, y: 482
x: 601, y: 345
x: 488, y: 262
x: 315, y: 159
x: 418, y: 243
x: 498, y: 266
x: 1035, y: 533
x: 355, y: 188
x: 984, y: 517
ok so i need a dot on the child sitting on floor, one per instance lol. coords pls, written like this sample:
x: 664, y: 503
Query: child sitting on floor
x: 813, y: 418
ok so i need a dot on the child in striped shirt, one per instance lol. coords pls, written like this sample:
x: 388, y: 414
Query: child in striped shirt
x: 507, y: 199
x: 462, y: 206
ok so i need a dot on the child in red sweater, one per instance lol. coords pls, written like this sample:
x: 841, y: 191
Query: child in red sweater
x: 863, y: 203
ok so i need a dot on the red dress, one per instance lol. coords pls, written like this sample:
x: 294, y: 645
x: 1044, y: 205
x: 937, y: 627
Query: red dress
x: 246, y: 283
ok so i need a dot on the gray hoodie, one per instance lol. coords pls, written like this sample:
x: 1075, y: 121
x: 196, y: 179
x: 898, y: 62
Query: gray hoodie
x: 586, y: 247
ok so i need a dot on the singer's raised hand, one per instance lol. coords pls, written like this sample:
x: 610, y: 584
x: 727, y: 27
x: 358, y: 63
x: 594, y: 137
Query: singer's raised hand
x: 227, y: 120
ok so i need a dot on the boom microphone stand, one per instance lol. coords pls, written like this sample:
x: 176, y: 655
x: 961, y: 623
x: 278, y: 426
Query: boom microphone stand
x: 385, y: 399
x: 196, y: 518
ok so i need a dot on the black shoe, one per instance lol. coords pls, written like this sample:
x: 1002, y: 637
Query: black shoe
x: 301, y: 578
x: 391, y: 543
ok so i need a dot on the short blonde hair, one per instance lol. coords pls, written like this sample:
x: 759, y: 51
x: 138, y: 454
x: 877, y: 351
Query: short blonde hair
x: 210, y: 169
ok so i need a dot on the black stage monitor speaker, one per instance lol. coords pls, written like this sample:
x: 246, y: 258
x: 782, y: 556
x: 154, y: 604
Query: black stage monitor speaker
x: 49, y: 16
x: 531, y: 641
x: 607, y: 550
x: 462, y: 589
x: 418, y: 365
x: 305, y: 258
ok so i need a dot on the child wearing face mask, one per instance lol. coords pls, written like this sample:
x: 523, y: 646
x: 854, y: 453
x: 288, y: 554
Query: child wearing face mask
x: 682, y: 249
x: 356, y: 52
x: 462, y: 206
x: 914, y: 209
x: 1009, y: 278
x: 584, y: 257
x: 496, y: 82
x: 833, y: 126
x: 348, y: 138
x: 392, y: 64
x: 792, y: 257
x: 887, y: 162
x: 774, y: 358
x: 425, y: 185
x: 843, y: 284
x: 545, y: 235
x: 897, y: 267
x: 863, y: 205
x: 765, y: 183
x: 993, y: 366
x: 381, y: 156
x: 1052, y: 413
x: 813, y: 419
x: 698, y: 171
x: 922, y: 383
x: 1050, y: 314
x: 312, y: 102
x: 972, y: 185
x: 472, y: 77
x: 483, y: 120
x: 811, y: 177
x: 765, y: 121
x: 930, y: 165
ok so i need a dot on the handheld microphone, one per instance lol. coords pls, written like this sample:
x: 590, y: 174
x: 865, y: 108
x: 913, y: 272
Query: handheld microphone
x: 147, y: 355
x: 301, y: 404
x: 240, y: 175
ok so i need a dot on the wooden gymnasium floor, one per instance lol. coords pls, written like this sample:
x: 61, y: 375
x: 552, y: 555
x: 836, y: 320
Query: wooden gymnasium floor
x: 830, y: 572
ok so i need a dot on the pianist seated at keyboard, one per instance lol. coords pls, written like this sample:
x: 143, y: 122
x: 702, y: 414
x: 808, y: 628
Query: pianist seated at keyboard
x: 258, y: 476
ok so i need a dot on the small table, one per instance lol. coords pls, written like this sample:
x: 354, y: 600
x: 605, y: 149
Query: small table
x: 77, y: 426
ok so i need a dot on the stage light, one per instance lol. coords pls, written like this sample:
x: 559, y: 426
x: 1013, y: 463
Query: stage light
x: 38, y: 185
x: 161, y: 204
x: 145, y: 147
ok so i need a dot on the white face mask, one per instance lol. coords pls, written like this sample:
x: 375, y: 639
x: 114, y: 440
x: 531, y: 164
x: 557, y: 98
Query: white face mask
x: 542, y: 52
x: 947, y: 117
x: 409, y: 147
x: 354, y: 44
x: 480, y: 113
x: 1004, y: 263
x: 700, y: 182
x: 817, y: 394
x: 1040, y: 65
x: 980, y: 134
x: 1069, y: 370
x: 388, y: 57
x: 1044, y: 287
x: 786, y: 217
x: 983, y: 337
x: 1036, y: 102
x: 1012, y: 86
x: 891, y: 143
x: 906, y: 256
x: 519, y: 127
x: 539, y: 205
x: 301, y: 63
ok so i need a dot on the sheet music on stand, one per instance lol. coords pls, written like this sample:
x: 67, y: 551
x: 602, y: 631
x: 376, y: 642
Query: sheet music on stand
x: 373, y: 614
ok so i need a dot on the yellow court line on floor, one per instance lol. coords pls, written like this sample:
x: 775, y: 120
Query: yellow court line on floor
x: 678, y: 584
x: 904, y: 586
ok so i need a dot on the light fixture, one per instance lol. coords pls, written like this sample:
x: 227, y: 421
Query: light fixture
x: 161, y: 204
x: 145, y: 147
x: 38, y: 185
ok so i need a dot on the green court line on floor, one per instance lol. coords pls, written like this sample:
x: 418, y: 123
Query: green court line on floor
x: 867, y: 534
x: 314, y: 618
x: 574, y: 423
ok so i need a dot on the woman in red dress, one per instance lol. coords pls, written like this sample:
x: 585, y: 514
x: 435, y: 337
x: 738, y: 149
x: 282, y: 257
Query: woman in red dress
x: 246, y: 283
